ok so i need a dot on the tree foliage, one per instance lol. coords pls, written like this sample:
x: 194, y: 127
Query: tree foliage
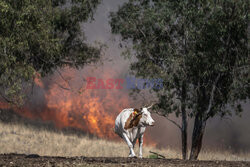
x: 36, y: 37
x: 199, y: 48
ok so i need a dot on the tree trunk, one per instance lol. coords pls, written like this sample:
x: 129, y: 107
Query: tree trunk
x: 198, y: 132
x: 184, y: 135
x: 184, y: 122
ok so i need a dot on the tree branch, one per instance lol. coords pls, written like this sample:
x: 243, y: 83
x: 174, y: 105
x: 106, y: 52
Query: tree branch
x: 62, y: 87
x: 64, y: 81
x: 67, y: 62
x: 208, y: 112
x: 6, y: 99
x: 158, y: 155
x: 172, y: 121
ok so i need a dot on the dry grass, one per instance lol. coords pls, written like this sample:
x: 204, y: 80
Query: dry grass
x: 18, y: 138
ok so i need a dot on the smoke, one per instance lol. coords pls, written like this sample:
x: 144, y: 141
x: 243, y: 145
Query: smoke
x: 62, y: 98
x: 230, y: 133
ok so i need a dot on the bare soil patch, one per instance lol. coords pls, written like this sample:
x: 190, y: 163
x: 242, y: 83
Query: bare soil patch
x: 45, y: 161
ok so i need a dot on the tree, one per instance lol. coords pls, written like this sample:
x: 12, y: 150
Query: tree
x: 38, y: 37
x: 199, y: 48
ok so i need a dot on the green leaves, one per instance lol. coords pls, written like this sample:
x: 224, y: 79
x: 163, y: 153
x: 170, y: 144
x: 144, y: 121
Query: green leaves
x: 189, y: 42
x: 40, y: 36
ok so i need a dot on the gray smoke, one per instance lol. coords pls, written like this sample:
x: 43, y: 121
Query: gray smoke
x: 232, y: 133
x: 223, y: 134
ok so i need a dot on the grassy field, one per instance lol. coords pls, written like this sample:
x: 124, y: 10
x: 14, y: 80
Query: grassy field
x: 20, y: 138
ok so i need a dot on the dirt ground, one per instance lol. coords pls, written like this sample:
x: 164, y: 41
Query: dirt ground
x: 45, y: 161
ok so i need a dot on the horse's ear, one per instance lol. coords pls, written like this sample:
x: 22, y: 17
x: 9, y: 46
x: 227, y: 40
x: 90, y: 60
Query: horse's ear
x: 150, y: 106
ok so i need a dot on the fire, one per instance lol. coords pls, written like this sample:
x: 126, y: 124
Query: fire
x: 4, y: 105
x: 92, y: 111
x: 38, y: 80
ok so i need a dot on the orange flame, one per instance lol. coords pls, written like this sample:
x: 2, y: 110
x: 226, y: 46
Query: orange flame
x: 92, y: 111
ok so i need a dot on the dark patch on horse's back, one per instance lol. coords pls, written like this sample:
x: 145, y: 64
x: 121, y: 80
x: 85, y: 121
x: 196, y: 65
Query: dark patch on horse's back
x: 128, y: 122
x: 137, y: 120
x: 133, y: 119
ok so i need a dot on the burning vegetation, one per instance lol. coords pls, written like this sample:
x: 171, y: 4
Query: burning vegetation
x: 91, y: 110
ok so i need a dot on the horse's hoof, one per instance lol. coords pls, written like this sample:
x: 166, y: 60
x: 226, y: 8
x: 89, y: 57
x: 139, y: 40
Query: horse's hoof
x: 132, y: 156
